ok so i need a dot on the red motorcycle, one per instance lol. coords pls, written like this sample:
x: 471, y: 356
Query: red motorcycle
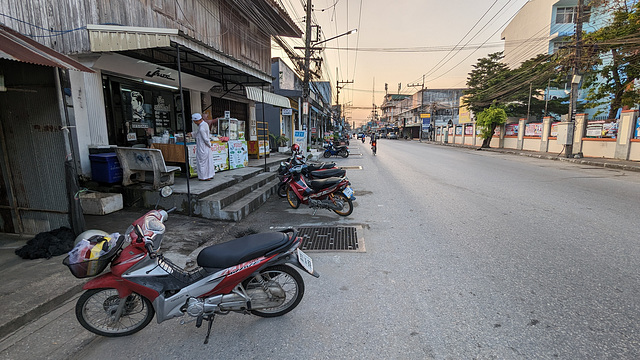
x: 310, y: 171
x: 253, y: 274
x: 334, y: 193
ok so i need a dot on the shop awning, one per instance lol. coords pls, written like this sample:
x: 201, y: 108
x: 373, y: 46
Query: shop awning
x: 197, y: 58
x: 255, y: 94
x: 17, y: 47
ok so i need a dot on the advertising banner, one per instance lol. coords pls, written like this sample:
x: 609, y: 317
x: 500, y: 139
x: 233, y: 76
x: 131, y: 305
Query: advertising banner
x: 300, y: 138
x: 238, y: 154
x: 220, y: 155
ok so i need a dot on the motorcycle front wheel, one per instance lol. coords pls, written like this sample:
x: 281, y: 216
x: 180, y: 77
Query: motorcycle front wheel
x: 282, y: 190
x: 283, y: 277
x: 96, y: 309
x: 347, y: 207
x: 292, y: 199
x: 343, y: 153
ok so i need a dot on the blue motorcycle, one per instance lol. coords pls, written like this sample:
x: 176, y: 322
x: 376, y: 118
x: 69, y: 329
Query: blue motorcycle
x: 332, y: 150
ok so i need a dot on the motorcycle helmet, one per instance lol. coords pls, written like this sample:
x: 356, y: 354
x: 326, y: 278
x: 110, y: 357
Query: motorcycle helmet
x: 295, y: 148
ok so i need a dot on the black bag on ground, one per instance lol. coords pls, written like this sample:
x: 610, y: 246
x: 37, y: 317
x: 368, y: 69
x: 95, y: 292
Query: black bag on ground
x: 47, y: 244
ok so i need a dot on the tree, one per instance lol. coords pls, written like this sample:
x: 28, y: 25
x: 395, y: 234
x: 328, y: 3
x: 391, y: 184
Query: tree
x: 488, y: 120
x: 616, y: 54
x: 487, y: 73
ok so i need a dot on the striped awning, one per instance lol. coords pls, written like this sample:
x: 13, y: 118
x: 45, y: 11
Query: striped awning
x: 256, y: 94
x: 17, y: 47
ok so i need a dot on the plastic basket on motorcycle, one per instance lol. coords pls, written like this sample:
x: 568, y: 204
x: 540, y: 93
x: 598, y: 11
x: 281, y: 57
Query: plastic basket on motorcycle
x: 93, y: 267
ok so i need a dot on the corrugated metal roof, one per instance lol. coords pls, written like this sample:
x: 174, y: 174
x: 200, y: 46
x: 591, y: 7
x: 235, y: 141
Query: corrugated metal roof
x: 17, y: 47
x: 257, y: 95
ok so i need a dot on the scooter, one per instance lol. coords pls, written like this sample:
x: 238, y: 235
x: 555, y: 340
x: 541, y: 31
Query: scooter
x: 334, y: 193
x: 251, y: 275
x: 310, y: 172
x: 332, y: 150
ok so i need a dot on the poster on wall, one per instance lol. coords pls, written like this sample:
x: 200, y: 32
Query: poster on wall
x: 238, y: 154
x: 468, y: 130
x: 162, y: 113
x: 511, y: 130
x: 533, y: 129
x: 554, y: 130
x: 140, y: 112
x: 638, y: 128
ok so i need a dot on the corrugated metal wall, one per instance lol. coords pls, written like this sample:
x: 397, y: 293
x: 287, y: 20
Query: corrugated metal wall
x: 33, y: 150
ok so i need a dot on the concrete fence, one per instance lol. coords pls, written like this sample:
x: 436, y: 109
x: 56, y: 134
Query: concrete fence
x: 613, y: 139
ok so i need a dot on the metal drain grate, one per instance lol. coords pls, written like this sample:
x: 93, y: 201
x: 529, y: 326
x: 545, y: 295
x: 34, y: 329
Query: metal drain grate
x: 336, y: 238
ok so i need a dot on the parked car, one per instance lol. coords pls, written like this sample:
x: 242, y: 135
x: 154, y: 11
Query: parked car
x: 392, y: 136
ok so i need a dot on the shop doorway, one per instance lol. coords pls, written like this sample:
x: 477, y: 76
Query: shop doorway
x: 137, y: 112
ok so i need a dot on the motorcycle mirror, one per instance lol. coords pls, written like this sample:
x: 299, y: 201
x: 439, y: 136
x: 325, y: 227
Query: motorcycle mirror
x: 166, y: 191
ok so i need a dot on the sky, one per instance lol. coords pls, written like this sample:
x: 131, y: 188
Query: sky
x: 399, y: 41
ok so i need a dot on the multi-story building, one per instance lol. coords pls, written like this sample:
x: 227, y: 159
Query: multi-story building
x: 542, y: 27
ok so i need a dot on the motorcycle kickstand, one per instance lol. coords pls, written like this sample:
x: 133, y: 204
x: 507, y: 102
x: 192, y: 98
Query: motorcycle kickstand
x: 210, y: 319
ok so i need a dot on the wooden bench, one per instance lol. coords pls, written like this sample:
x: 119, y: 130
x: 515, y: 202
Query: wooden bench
x: 135, y: 162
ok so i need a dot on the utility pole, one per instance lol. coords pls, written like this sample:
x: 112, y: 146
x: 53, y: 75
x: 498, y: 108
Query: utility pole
x: 575, y: 78
x: 338, y: 88
x: 421, y: 104
x: 307, y: 58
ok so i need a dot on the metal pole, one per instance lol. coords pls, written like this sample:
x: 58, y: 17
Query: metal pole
x: 184, y: 123
x: 307, y: 57
x: 575, y: 75
x: 264, y: 131
x: 529, y: 102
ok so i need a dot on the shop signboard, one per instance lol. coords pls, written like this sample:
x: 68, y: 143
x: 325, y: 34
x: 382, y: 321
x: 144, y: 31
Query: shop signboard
x: 238, y: 154
x: 300, y: 138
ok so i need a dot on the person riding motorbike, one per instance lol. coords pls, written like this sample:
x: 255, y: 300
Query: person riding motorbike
x: 374, y: 143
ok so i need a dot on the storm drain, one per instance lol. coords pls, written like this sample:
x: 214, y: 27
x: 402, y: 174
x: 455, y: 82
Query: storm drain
x: 333, y: 238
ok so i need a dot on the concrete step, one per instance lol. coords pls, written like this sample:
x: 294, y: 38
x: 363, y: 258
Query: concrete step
x: 214, y: 206
x: 246, y: 205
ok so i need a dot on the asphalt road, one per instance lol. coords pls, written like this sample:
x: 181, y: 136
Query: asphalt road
x: 469, y: 254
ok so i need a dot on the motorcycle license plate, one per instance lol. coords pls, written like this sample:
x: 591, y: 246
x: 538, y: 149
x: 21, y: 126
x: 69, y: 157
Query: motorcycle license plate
x: 348, y: 192
x: 305, y: 261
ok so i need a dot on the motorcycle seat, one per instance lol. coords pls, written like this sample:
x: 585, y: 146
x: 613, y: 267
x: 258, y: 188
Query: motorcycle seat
x: 237, y: 251
x: 324, y: 183
x: 326, y: 173
x: 323, y: 165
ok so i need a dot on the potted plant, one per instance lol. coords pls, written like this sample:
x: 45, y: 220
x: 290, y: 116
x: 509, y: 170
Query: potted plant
x: 281, y: 141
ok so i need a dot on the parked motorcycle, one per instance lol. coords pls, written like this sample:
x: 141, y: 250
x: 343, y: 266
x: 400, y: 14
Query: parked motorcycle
x: 334, y: 193
x: 251, y: 275
x: 319, y: 171
x: 333, y: 150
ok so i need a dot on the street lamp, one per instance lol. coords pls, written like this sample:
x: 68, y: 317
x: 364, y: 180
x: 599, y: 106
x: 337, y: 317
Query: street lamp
x: 331, y: 38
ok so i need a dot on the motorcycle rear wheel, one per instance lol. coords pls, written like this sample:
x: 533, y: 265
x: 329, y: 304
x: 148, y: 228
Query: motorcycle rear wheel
x: 286, y: 278
x: 95, y: 308
x: 347, y: 208
x: 327, y: 154
x: 282, y: 190
x: 292, y: 199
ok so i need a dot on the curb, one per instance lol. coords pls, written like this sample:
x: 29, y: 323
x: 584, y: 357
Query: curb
x: 46, y: 307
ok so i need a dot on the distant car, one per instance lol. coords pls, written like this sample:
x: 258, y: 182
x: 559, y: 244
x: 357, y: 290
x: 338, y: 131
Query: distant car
x: 392, y: 136
x: 383, y: 136
x: 360, y: 135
